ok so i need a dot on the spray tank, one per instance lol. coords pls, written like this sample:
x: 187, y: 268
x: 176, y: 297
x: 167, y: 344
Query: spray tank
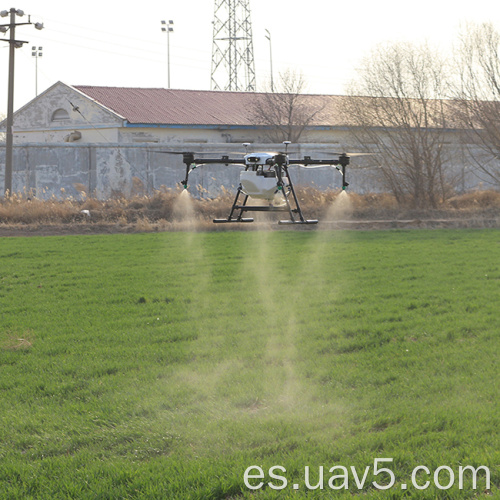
x: 259, y: 179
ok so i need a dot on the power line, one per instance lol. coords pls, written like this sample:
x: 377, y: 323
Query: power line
x: 106, y: 39
x: 123, y: 54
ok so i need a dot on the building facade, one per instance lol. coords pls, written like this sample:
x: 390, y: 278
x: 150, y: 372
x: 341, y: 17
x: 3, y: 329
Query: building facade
x: 110, y: 141
x: 86, y: 114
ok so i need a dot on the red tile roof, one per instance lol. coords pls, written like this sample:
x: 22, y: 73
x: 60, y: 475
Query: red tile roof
x: 194, y: 107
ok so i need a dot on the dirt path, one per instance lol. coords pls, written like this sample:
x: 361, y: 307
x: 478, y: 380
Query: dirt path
x: 360, y: 224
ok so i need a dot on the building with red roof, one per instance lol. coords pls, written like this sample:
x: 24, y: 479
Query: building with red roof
x: 107, y: 138
x: 91, y: 114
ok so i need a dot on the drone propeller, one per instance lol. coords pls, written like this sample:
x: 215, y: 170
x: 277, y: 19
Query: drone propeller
x: 365, y: 167
x: 213, y: 153
x: 317, y: 166
x: 344, y: 153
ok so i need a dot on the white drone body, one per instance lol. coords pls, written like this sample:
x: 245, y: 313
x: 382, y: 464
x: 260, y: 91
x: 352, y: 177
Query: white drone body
x: 259, y: 179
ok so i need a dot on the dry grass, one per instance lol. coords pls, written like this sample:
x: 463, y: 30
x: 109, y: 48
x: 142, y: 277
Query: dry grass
x: 159, y: 212
x: 15, y: 342
x: 476, y: 199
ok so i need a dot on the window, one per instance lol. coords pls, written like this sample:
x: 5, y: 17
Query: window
x: 60, y: 115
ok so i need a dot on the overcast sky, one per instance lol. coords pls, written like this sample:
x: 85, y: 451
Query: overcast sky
x: 111, y: 44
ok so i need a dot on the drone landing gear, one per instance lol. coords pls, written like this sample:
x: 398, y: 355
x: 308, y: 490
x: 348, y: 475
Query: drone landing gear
x: 308, y: 221
x: 241, y: 219
x: 222, y: 221
x: 293, y: 212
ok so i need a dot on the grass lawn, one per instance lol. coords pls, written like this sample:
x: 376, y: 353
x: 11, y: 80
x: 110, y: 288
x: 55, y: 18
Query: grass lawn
x: 165, y: 365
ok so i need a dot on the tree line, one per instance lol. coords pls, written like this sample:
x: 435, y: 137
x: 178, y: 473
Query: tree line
x: 416, y: 111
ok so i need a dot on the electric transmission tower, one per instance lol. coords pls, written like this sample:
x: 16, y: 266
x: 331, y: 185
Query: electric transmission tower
x: 233, y: 66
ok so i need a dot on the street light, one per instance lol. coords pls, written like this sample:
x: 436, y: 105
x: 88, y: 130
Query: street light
x: 36, y: 54
x: 268, y: 36
x: 13, y: 44
x: 168, y: 28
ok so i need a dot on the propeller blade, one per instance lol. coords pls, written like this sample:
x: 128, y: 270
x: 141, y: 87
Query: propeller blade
x: 221, y: 153
x: 364, y: 167
x: 213, y: 153
x: 273, y: 153
x: 315, y: 166
x: 344, y: 153
x: 169, y: 152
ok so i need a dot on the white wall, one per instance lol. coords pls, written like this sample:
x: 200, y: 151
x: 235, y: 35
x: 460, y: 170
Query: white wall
x: 42, y: 120
x: 106, y: 169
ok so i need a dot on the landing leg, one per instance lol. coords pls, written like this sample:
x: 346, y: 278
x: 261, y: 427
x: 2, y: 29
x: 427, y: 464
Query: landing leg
x: 235, y: 206
x: 297, y: 209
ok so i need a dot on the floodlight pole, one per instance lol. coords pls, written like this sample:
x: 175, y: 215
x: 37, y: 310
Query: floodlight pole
x: 13, y: 44
x: 36, y: 53
x: 168, y: 28
x: 268, y: 36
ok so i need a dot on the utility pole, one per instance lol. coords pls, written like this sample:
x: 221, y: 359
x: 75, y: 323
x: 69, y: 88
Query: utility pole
x: 13, y: 44
x: 233, y: 66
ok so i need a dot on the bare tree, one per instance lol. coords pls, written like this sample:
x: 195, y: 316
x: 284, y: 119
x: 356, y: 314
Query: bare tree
x: 287, y: 112
x: 478, y: 96
x: 2, y: 134
x: 397, y: 112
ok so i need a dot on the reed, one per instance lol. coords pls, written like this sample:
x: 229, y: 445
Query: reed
x: 160, y: 210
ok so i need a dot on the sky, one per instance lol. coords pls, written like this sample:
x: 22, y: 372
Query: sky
x: 108, y: 43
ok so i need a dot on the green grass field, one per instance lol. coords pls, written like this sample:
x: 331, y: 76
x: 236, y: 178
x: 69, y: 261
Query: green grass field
x: 165, y: 365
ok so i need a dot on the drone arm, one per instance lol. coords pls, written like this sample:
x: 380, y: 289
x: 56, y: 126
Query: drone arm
x: 191, y: 163
x: 307, y: 160
x: 225, y: 160
x: 340, y: 164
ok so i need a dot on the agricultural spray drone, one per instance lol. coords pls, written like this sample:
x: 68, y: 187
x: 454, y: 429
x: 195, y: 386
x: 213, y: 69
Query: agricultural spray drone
x: 266, y: 177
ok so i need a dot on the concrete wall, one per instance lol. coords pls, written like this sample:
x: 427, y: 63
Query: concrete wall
x: 54, y: 114
x: 104, y: 133
x: 64, y: 170
x: 140, y: 134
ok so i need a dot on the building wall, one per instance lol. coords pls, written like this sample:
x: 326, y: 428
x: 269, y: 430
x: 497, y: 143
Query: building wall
x: 131, y: 134
x: 66, y: 143
x: 92, y: 133
x: 65, y: 169
x: 55, y: 114
x: 186, y: 135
